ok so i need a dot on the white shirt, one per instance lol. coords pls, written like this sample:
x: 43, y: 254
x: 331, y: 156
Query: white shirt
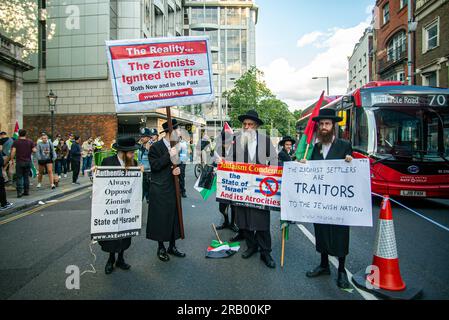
x: 252, y: 145
x: 122, y: 164
x: 326, y: 147
x: 167, y: 143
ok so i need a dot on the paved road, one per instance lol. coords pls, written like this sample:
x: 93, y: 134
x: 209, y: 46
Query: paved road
x: 37, y: 248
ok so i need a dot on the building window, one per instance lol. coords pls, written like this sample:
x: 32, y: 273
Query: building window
x: 396, y: 46
x: 364, y: 59
x: 402, y: 4
x: 43, y: 44
x: 430, y: 79
x: 401, y: 76
x: 386, y: 13
x: 431, y: 36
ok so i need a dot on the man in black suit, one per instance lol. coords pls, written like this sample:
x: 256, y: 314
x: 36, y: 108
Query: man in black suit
x: 251, y: 146
x: 125, y: 158
x: 286, y: 154
x: 331, y: 239
x: 163, y: 221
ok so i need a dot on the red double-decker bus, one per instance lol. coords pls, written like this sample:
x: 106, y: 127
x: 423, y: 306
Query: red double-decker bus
x: 403, y: 130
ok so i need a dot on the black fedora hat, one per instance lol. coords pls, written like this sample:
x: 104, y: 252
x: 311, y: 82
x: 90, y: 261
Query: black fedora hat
x: 252, y: 115
x: 329, y: 114
x: 285, y: 139
x: 125, y: 144
x: 174, y: 123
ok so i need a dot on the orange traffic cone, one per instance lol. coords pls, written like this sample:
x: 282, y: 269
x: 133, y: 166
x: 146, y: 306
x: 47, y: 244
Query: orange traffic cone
x: 385, y: 256
x: 385, y: 278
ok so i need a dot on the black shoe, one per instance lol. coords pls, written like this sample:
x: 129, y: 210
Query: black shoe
x: 237, y: 237
x: 162, y: 255
x: 184, y: 195
x: 269, y: 262
x: 249, y: 252
x: 122, y: 265
x: 173, y: 251
x: 318, y: 271
x: 342, y: 281
x: 19, y: 195
x: 223, y: 226
x: 26, y: 193
x: 109, y: 267
x: 233, y: 227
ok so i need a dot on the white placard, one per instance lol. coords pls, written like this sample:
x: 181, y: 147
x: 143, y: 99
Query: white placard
x: 147, y: 74
x: 327, y: 192
x: 116, y: 203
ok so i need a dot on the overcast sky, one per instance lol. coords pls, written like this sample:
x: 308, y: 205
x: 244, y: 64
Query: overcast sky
x: 299, y: 39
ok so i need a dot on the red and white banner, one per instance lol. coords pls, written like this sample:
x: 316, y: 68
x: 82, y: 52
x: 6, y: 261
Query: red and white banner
x: 148, y: 74
x: 249, y: 185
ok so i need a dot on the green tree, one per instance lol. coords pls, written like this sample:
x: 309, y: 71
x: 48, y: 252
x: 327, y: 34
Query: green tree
x: 251, y: 92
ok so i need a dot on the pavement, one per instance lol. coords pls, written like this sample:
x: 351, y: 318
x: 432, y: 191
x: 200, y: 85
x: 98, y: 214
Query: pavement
x: 43, y: 194
x: 42, y: 246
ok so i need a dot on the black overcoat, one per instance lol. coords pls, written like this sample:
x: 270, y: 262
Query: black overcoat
x: 250, y: 218
x: 332, y: 239
x: 284, y: 156
x: 120, y: 244
x: 163, y: 218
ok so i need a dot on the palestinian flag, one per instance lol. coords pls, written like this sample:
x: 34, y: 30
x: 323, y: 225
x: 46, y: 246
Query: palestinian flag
x: 305, y: 145
x: 218, y: 250
x: 205, y: 193
x: 15, y: 136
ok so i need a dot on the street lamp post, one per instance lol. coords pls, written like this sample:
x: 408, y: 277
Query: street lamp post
x: 327, y: 82
x: 52, y: 106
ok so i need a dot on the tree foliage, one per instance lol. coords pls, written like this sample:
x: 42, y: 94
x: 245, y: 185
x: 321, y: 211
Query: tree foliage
x: 251, y: 93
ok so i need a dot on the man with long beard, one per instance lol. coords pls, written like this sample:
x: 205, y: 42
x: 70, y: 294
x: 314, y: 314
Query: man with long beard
x: 331, y: 239
x: 163, y: 220
x: 251, y: 146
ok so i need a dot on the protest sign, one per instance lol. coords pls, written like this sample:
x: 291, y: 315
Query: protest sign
x: 116, y: 203
x: 327, y: 192
x: 150, y: 73
x: 249, y: 185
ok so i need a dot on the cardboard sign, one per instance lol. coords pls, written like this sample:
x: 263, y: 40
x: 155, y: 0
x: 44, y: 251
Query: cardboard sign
x: 249, y: 185
x: 116, y: 203
x: 148, y: 74
x: 327, y: 192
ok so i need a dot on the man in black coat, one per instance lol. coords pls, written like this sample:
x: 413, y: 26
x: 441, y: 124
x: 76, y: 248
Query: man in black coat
x: 331, y: 239
x: 286, y: 154
x: 125, y: 158
x: 163, y: 221
x: 223, y: 152
x: 251, y: 146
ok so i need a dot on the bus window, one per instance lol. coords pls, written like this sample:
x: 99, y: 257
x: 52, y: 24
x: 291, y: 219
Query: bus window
x: 360, y: 130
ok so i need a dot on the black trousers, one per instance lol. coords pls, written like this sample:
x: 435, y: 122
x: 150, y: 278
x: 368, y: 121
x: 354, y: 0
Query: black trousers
x: 23, y: 176
x: 182, y: 177
x: 75, y: 169
x: 146, y: 180
x: 223, y: 207
x: 2, y: 192
x: 258, y: 239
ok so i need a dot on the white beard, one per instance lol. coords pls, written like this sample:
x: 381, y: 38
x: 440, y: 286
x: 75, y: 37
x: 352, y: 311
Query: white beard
x: 246, y: 137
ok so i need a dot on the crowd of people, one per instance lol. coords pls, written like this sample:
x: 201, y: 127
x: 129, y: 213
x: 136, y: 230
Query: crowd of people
x: 53, y: 158
x: 161, y: 159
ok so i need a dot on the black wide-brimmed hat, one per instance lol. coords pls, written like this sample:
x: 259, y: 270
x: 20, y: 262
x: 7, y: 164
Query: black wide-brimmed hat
x: 329, y: 114
x: 125, y: 144
x: 252, y: 115
x: 285, y: 139
x: 146, y: 132
x: 165, y: 125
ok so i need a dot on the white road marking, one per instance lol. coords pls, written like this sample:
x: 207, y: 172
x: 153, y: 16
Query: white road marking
x: 334, y: 261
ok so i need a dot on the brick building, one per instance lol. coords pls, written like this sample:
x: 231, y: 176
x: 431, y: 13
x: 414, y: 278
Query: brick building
x: 390, y: 37
x: 432, y: 42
